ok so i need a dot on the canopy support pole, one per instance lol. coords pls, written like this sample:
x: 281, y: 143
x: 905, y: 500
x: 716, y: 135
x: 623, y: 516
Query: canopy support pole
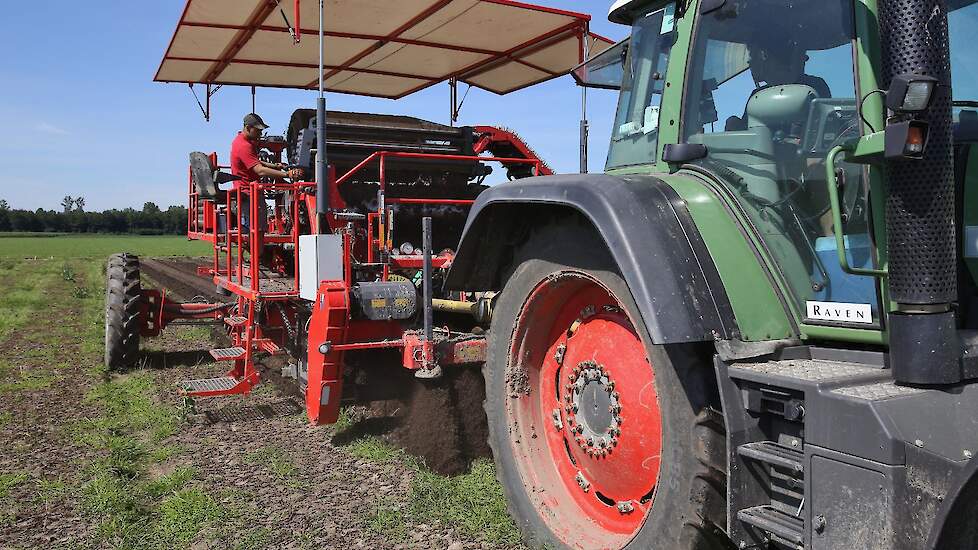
x: 253, y: 109
x: 322, y: 196
x: 585, y: 130
x: 453, y: 100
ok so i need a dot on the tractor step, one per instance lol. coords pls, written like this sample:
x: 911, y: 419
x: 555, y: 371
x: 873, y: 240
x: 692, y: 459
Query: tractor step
x: 236, y: 321
x: 228, y: 354
x: 789, y: 529
x: 210, y: 387
x: 772, y: 453
x: 269, y: 347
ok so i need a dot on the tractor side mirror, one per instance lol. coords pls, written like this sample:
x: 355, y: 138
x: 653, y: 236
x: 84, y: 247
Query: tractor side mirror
x: 681, y: 153
x: 605, y: 70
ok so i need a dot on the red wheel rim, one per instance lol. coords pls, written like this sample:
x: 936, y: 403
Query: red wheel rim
x: 583, y: 414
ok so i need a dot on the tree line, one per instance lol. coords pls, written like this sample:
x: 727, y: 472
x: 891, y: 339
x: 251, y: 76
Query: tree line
x: 73, y: 218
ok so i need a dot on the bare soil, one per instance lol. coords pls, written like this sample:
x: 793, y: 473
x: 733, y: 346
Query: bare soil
x: 442, y: 422
x: 331, y: 498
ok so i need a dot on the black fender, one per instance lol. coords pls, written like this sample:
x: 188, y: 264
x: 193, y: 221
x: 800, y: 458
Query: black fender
x: 647, y: 229
x: 956, y: 526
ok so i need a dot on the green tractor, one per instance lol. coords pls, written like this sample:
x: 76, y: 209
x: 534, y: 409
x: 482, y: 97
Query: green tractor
x: 759, y: 328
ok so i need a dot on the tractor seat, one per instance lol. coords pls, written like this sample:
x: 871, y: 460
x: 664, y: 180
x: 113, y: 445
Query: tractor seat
x: 207, y: 177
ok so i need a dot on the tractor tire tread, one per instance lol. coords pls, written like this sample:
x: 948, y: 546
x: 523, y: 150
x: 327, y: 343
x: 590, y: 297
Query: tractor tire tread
x: 123, y: 301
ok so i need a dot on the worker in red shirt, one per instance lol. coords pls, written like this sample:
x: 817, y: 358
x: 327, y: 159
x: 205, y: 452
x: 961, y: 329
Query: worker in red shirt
x: 246, y: 164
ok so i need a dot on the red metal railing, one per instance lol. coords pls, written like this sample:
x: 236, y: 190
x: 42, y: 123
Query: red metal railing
x: 379, y: 219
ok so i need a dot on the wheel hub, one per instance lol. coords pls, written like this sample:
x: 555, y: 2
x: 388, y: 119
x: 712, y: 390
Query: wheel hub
x: 594, y: 413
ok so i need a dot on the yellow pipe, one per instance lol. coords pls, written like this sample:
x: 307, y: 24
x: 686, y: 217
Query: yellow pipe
x: 454, y: 306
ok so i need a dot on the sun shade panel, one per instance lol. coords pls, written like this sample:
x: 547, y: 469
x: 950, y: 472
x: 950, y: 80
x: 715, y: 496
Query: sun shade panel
x: 376, y: 47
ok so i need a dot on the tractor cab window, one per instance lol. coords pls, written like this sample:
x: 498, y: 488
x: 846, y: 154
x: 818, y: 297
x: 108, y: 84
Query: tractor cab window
x: 636, y: 132
x: 771, y: 91
x: 962, y: 22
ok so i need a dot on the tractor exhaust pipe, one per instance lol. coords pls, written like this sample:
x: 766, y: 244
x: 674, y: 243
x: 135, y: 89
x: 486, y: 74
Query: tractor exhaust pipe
x: 920, y: 206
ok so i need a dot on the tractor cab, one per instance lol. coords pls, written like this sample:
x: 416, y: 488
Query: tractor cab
x: 759, y: 106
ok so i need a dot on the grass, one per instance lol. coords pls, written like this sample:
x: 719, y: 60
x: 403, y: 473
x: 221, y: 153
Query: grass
x: 51, y: 491
x: 133, y: 508
x: 9, y: 481
x: 98, y: 246
x: 31, y: 379
x: 24, y: 292
x: 278, y: 463
x: 473, y: 502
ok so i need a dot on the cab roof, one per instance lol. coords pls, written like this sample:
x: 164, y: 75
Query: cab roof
x: 376, y: 47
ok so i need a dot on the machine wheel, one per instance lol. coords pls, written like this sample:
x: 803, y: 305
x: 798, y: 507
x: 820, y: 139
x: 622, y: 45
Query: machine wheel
x: 123, y: 297
x: 601, y: 439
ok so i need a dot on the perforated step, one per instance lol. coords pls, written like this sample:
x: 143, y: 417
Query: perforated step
x: 208, y: 385
x: 228, y: 354
x: 236, y: 321
x: 770, y: 452
x: 788, y: 528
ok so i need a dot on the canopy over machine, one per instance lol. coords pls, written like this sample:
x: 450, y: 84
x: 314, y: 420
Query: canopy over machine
x: 376, y: 47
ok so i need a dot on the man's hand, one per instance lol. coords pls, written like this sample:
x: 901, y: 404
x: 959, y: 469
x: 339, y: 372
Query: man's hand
x: 295, y: 174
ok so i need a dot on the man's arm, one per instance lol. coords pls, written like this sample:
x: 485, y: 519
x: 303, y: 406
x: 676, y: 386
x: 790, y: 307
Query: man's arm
x: 264, y: 171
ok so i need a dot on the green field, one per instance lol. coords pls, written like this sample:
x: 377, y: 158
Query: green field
x: 53, y: 246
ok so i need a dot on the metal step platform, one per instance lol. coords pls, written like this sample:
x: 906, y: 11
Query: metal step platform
x: 228, y: 354
x: 235, y: 321
x: 774, y: 454
x: 806, y: 373
x: 213, y: 387
x: 784, y: 528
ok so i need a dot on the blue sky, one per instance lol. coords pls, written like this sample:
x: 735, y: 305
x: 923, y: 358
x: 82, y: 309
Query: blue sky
x: 82, y: 116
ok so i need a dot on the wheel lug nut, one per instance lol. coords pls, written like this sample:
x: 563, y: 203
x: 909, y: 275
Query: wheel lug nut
x: 590, y: 442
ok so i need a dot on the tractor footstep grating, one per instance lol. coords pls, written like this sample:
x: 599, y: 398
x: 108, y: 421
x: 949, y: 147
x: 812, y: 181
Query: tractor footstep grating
x: 223, y: 383
x: 236, y: 321
x: 766, y: 518
x: 228, y: 354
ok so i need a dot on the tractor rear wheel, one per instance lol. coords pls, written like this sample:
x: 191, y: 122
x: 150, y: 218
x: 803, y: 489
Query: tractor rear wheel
x: 123, y: 299
x: 601, y: 439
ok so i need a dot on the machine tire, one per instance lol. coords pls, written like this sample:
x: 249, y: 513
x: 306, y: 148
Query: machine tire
x: 687, y: 509
x: 123, y: 299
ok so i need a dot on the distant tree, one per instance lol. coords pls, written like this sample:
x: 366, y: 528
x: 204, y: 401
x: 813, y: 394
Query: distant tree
x: 68, y: 203
x: 4, y: 207
x: 80, y: 204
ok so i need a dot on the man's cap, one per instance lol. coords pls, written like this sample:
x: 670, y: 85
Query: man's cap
x: 255, y: 121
